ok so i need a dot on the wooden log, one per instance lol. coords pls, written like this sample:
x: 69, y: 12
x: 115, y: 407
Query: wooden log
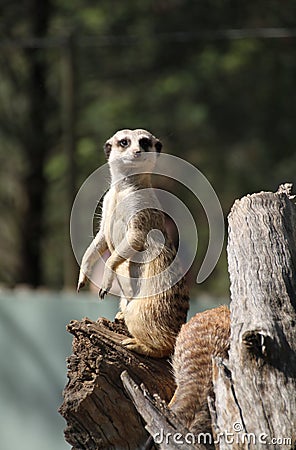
x: 98, y: 412
x: 168, y: 431
x: 256, y: 392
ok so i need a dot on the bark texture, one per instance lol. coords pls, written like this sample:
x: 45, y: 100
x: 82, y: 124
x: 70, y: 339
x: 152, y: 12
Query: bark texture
x: 256, y: 392
x: 99, y: 413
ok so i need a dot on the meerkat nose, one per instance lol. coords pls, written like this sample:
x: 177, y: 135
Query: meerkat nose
x: 137, y: 153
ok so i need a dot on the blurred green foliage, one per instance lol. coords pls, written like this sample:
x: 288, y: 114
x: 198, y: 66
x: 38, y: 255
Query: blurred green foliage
x: 223, y: 103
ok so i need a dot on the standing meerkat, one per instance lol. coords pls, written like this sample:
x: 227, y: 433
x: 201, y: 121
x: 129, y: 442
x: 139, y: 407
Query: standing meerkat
x: 205, y: 336
x: 154, y: 300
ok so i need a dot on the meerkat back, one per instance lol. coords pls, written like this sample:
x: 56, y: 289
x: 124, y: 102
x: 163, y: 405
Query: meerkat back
x: 205, y: 336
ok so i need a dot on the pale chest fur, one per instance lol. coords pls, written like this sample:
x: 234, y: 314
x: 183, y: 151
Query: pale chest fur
x: 115, y: 216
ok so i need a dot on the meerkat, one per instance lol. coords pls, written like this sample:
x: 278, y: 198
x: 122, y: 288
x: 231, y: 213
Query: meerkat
x: 154, y: 299
x: 205, y: 336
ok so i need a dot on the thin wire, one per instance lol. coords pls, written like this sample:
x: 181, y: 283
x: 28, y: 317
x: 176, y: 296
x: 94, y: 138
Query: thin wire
x: 186, y: 36
x: 174, y: 37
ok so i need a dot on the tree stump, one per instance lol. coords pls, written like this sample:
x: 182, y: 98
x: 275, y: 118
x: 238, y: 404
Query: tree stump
x: 98, y: 412
x: 255, y: 390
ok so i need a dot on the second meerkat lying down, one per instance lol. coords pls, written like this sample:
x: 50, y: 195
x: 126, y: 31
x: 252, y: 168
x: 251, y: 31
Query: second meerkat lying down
x: 204, y: 337
x: 154, y: 300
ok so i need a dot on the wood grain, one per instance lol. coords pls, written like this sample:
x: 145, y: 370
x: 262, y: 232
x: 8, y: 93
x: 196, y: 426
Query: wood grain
x: 259, y: 391
x: 99, y: 413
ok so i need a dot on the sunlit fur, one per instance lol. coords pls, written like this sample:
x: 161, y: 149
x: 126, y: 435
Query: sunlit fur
x: 205, y: 336
x: 153, y: 320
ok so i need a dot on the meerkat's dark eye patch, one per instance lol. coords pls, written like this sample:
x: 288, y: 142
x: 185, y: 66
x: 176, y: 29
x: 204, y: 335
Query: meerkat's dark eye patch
x: 145, y: 144
x: 107, y: 149
x: 124, y: 143
x: 158, y: 146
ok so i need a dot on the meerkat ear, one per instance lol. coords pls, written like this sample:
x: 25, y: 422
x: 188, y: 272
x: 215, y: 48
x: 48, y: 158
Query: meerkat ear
x: 107, y: 149
x: 158, y: 146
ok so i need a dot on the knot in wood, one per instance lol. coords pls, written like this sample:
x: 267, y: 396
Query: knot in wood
x: 255, y: 342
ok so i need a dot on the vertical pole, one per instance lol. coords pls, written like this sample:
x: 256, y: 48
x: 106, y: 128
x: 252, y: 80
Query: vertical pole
x: 69, y: 139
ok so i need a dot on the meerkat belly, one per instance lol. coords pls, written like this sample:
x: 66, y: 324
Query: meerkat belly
x: 115, y: 225
x: 140, y: 319
x: 115, y: 234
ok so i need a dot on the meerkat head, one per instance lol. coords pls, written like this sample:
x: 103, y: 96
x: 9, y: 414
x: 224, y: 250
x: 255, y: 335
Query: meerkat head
x: 130, y: 150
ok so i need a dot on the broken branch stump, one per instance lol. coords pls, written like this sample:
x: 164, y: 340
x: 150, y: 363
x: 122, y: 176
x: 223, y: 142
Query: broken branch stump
x: 162, y: 424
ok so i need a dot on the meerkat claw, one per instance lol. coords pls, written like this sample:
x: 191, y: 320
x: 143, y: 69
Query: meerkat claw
x: 80, y: 285
x: 81, y: 281
x: 102, y: 293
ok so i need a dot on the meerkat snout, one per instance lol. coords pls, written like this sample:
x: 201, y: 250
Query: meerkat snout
x: 137, y: 153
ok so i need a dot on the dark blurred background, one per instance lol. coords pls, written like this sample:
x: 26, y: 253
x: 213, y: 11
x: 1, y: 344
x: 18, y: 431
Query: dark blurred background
x: 215, y: 81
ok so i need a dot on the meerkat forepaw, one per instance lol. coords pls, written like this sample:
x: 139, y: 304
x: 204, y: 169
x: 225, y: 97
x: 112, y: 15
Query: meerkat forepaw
x: 106, y: 282
x: 102, y: 292
x: 81, y: 282
x: 79, y: 286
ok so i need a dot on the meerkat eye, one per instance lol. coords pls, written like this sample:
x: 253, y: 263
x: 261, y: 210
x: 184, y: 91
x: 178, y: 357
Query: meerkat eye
x: 124, y: 143
x: 145, y: 143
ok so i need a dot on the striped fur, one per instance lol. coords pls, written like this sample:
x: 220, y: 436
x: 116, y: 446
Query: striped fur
x: 206, y: 335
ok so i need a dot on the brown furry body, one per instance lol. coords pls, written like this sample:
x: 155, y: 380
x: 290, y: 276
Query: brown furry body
x: 153, y: 305
x: 206, y: 335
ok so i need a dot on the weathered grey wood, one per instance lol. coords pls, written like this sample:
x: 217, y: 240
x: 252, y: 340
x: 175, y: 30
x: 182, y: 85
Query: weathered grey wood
x: 161, y: 423
x: 98, y: 412
x: 224, y: 405
x: 259, y: 391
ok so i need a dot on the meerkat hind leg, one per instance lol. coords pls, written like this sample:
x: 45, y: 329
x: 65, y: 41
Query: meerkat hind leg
x: 137, y: 346
x: 119, y: 315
